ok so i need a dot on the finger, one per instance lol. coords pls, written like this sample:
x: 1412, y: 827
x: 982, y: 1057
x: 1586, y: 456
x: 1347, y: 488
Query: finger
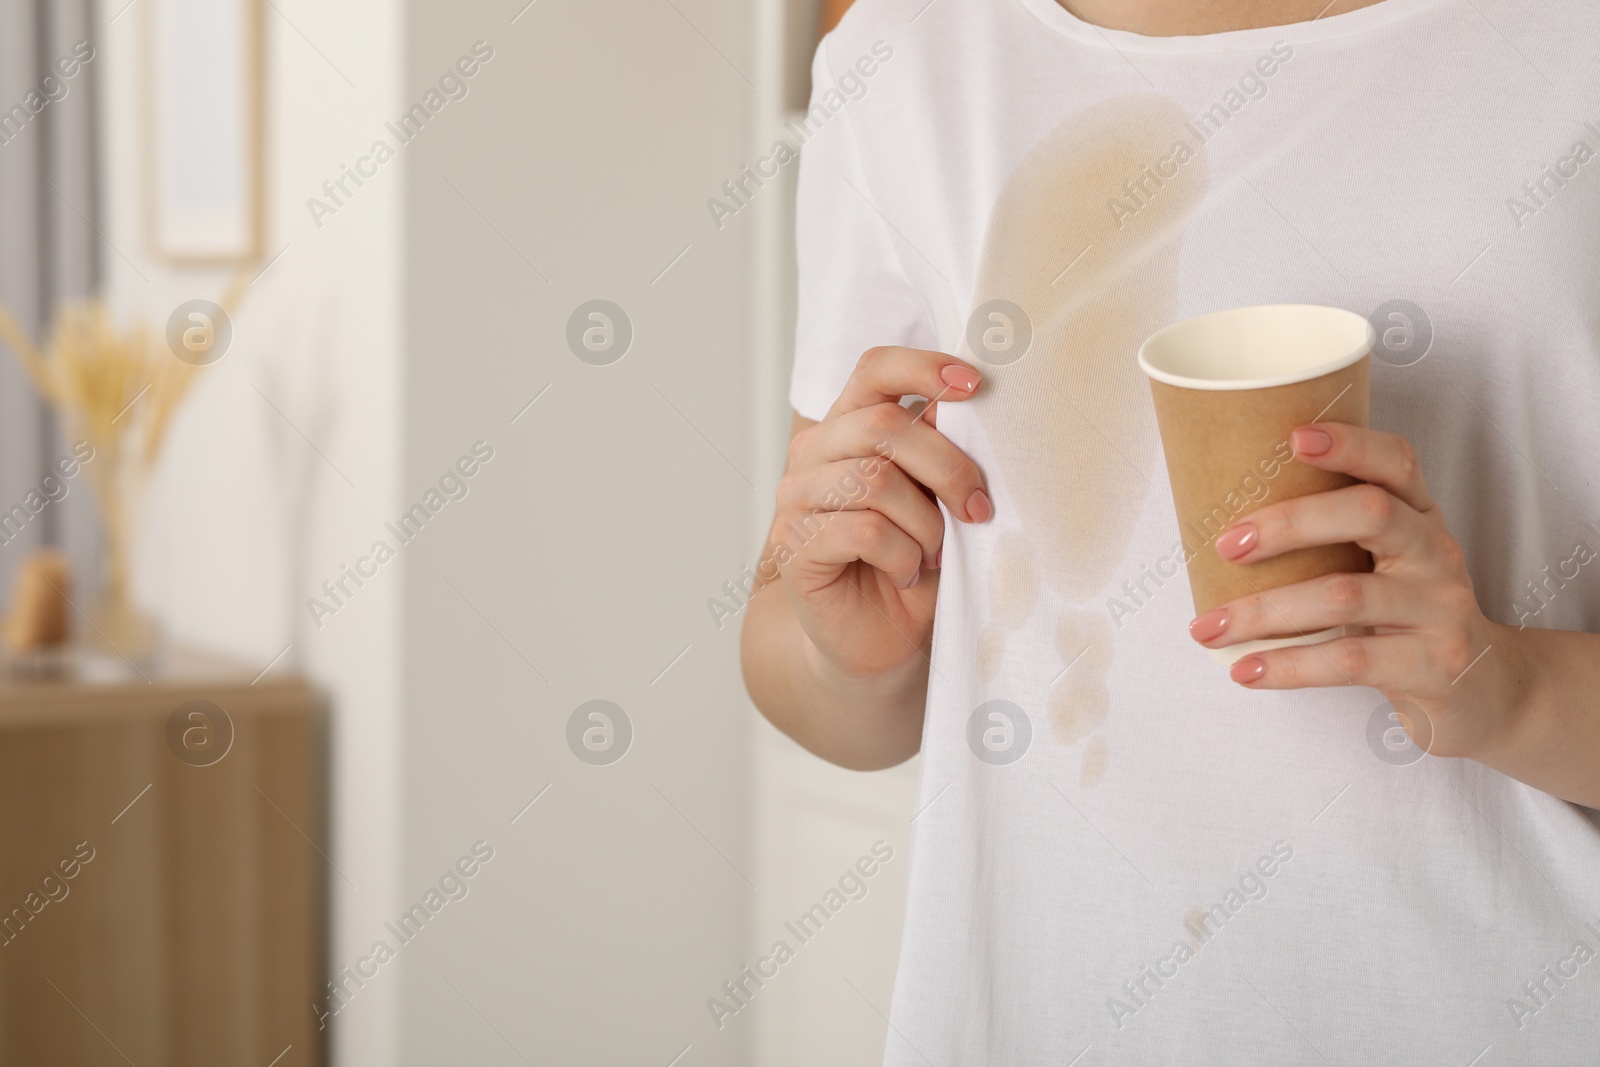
x: 889, y: 432
x: 1387, y: 662
x: 1306, y: 607
x: 887, y: 373
x: 1384, y: 459
x: 847, y: 536
x: 849, y: 486
x: 1368, y: 515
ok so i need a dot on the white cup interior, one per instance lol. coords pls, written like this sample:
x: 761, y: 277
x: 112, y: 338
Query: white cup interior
x: 1257, y: 347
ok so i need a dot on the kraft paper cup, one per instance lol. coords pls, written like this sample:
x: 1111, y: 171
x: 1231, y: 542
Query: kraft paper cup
x: 1228, y: 388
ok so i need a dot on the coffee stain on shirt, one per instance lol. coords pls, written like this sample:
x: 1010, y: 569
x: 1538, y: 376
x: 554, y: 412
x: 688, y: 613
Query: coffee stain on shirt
x: 991, y: 652
x: 1013, y: 582
x: 1078, y: 700
x: 1085, y: 238
x: 1096, y: 755
x: 1013, y: 595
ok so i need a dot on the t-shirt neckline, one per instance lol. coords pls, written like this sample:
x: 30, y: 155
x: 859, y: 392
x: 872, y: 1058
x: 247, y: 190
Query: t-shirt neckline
x: 1058, y: 18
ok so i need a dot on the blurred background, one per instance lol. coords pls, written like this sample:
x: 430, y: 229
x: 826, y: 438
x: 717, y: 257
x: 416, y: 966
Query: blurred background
x: 391, y: 401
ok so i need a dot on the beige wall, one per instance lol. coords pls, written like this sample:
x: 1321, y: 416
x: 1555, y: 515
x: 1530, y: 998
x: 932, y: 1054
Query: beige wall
x: 591, y: 542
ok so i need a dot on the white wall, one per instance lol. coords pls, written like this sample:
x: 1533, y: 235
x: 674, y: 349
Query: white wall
x: 245, y: 519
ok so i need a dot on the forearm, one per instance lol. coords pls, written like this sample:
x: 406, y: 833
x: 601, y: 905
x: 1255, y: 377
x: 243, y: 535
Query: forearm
x: 1551, y: 738
x: 860, y: 723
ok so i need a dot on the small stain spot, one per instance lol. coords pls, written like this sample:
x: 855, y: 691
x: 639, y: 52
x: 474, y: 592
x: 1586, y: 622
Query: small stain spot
x: 991, y: 652
x: 1096, y: 758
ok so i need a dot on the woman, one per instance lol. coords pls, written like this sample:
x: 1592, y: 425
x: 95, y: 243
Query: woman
x: 1122, y: 852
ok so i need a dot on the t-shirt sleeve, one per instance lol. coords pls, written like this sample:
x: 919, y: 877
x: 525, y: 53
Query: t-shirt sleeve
x: 853, y: 291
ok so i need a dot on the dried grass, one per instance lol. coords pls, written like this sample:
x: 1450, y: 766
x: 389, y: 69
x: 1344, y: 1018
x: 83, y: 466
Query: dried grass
x: 119, y: 390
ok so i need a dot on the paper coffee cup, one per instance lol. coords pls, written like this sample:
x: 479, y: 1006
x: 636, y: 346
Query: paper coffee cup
x: 1228, y: 388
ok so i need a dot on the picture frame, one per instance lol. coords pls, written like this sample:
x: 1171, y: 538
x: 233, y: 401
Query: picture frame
x: 203, y: 130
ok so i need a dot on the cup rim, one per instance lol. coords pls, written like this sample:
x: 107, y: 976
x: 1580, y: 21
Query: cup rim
x: 1238, y: 384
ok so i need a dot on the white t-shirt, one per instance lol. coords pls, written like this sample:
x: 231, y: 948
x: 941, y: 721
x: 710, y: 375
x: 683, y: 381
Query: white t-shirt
x: 1120, y: 855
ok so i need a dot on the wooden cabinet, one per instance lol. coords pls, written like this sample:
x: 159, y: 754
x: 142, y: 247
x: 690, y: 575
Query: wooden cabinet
x: 161, y: 895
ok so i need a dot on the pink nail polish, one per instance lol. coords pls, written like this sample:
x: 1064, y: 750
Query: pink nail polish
x: 1311, y: 442
x: 1210, y: 626
x: 978, y: 507
x: 915, y: 578
x: 960, y: 378
x: 1250, y: 669
x: 1237, y: 541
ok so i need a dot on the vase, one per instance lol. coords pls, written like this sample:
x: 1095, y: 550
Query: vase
x: 116, y: 626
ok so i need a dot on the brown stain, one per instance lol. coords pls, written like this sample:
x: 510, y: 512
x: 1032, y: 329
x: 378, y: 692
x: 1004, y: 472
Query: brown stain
x: 1013, y: 582
x: 1096, y: 758
x: 1078, y: 701
x: 1078, y: 707
x: 991, y: 652
x: 1013, y: 595
x: 1070, y: 423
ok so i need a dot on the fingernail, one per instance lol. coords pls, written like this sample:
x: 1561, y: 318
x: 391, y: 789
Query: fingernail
x: 958, y: 377
x: 915, y: 578
x: 938, y: 557
x: 1209, y: 626
x: 1237, y: 542
x: 978, y: 507
x: 1311, y: 442
x: 1250, y: 669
